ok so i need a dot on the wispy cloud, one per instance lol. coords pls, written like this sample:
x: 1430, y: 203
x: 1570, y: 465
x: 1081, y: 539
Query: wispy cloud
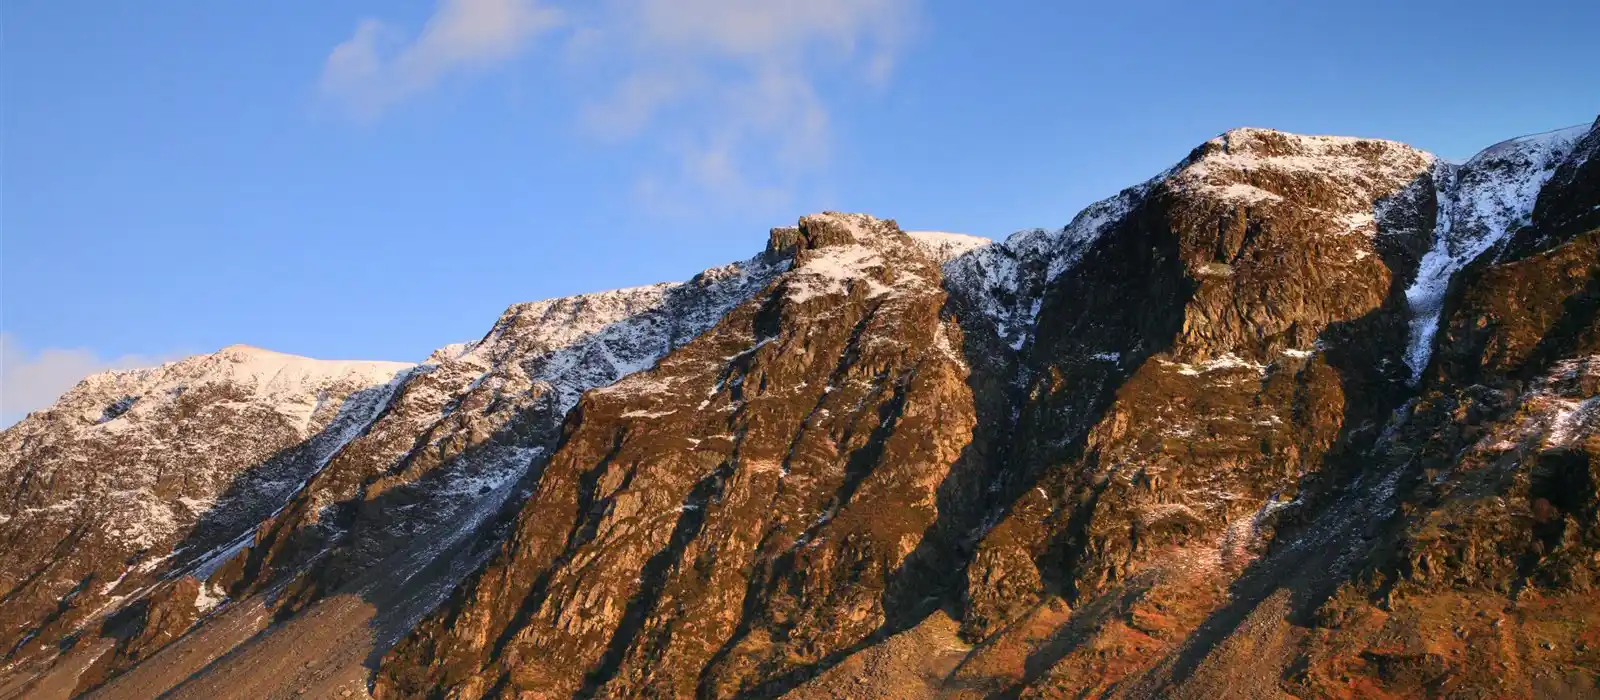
x: 377, y: 67
x: 731, y: 94
x: 734, y: 88
x: 31, y: 380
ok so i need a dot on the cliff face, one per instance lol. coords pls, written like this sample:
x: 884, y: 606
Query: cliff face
x: 1303, y: 415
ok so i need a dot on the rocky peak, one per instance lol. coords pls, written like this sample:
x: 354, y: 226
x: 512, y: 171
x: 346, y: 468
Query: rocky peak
x: 1255, y: 146
x: 782, y: 241
x: 834, y: 252
x: 1314, y: 191
x: 835, y: 229
x: 832, y: 228
x: 1339, y: 175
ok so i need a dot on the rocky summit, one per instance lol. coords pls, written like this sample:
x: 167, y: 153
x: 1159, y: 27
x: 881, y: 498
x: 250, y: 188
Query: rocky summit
x: 1301, y: 416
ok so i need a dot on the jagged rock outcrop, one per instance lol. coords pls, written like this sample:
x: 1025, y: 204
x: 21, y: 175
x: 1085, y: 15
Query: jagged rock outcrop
x: 1300, y: 415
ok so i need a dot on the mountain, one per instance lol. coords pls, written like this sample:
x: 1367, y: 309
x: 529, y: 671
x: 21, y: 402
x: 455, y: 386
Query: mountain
x: 1301, y: 415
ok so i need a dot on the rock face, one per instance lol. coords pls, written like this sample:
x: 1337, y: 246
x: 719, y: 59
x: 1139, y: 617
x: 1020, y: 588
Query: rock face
x: 744, y: 507
x: 1301, y: 415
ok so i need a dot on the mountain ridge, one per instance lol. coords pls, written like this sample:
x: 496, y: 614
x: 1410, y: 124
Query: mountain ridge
x: 945, y: 402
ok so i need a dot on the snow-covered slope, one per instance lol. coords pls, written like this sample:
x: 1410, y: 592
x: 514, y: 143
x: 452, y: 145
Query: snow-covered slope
x: 945, y: 246
x: 1004, y: 280
x: 1481, y: 202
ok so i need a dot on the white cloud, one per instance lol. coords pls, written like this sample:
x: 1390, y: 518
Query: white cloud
x: 376, y: 68
x: 32, y: 380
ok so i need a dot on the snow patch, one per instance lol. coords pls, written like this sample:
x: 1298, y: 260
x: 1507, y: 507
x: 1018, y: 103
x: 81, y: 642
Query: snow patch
x: 1571, y: 420
x: 1225, y: 362
x: 207, y: 599
x: 829, y: 271
x: 945, y: 247
x: 648, y: 414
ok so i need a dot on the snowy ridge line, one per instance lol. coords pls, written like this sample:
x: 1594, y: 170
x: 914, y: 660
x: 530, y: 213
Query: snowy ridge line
x: 1358, y: 169
x: 1566, y: 133
x: 604, y: 338
x: 281, y: 380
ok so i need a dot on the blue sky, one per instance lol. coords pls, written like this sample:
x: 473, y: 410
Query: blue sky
x: 369, y: 179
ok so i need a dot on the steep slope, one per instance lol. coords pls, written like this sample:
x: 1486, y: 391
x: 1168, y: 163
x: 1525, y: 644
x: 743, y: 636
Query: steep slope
x: 1485, y: 580
x: 1193, y: 376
